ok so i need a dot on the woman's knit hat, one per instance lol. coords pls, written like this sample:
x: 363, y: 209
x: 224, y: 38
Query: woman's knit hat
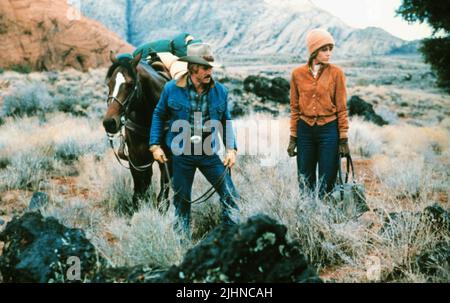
x: 317, y: 38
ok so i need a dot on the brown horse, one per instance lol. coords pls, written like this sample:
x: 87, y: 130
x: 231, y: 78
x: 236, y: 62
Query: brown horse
x: 134, y: 90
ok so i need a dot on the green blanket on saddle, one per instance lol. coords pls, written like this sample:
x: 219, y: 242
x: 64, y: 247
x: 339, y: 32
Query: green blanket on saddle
x: 177, y: 46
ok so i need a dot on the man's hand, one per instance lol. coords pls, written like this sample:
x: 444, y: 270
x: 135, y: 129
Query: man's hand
x: 158, y: 154
x: 344, y: 150
x: 230, y: 158
x: 292, y: 147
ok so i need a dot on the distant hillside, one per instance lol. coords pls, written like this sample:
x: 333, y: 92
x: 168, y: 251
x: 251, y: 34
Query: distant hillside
x: 236, y: 26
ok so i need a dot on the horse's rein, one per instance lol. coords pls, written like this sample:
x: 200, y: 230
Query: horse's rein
x: 140, y: 168
x: 208, y: 194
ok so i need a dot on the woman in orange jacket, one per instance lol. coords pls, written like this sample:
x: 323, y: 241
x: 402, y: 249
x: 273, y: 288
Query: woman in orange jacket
x: 319, y: 122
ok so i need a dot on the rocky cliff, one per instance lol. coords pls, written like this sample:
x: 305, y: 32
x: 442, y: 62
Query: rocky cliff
x: 50, y: 34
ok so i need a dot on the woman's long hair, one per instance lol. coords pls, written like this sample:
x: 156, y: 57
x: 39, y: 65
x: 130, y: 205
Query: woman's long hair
x: 312, y: 57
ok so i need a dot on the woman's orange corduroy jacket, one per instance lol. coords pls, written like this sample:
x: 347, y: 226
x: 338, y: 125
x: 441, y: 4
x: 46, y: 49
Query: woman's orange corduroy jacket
x: 319, y: 100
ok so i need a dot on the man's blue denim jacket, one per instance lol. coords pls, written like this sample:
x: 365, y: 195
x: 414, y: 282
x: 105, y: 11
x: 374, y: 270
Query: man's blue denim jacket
x: 174, y: 104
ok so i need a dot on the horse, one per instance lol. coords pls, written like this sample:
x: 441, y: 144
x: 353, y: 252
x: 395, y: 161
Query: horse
x: 134, y: 91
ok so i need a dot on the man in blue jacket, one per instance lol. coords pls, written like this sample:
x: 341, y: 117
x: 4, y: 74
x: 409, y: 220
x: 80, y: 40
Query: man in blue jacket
x: 195, y: 108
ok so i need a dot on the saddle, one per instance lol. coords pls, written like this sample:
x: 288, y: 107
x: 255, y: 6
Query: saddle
x: 161, y: 69
x: 167, y: 65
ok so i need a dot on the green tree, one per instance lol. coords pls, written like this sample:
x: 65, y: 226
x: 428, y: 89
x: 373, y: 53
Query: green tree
x: 436, y: 50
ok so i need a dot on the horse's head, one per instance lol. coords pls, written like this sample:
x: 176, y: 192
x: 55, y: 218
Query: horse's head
x: 122, y: 81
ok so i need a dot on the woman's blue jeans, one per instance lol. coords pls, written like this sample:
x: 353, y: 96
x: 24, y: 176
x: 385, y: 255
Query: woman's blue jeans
x: 317, y: 146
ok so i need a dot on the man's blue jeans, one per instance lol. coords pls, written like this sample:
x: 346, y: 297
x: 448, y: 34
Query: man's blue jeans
x: 318, y: 145
x: 184, y: 167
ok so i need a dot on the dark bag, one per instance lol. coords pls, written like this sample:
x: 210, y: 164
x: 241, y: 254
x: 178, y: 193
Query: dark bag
x: 349, y: 197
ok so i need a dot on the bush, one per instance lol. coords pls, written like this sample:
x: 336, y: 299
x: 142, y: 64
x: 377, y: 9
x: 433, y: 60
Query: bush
x: 71, y: 149
x: 26, y: 171
x: 71, y: 105
x: 120, y: 191
x: 149, y: 238
x: 74, y: 213
x: 23, y: 69
x: 29, y: 99
x: 364, y: 140
x: 436, y: 53
x: 403, y: 238
x: 406, y: 176
x: 4, y: 162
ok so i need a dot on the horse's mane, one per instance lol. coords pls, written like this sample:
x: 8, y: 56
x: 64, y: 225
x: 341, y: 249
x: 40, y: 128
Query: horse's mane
x: 125, y: 63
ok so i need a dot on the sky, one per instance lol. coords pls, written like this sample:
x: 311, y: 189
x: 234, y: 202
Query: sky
x: 379, y: 13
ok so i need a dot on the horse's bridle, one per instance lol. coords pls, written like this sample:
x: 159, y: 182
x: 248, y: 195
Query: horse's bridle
x: 125, y: 104
x: 124, y: 110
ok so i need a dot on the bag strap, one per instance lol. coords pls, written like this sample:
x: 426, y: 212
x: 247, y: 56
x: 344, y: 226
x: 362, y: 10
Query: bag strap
x: 340, y: 182
x: 350, y: 169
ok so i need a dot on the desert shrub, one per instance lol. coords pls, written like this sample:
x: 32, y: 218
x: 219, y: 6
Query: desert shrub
x: 74, y: 213
x: 112, y: 182
x: 4, y: 162
x: 402, y: 239
x: 71, y: 104
x: 20, y: 68
x: 149, y: 238
x: 28, y: 100
x: 27, y: 170
x: 429, y: 142
x: 408, y: 176
x: 364, y: 139
x: 71, y: 149
x: 118, y: 190
x: 402, y: 177
x: 362, y: 82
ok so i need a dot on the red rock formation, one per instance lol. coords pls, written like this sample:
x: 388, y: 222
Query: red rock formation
x: 51, y: 35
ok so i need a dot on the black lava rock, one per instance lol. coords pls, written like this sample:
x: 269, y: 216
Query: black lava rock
x: 434, y: 215
x: 238, y: 107
x: 431, y: 260
x: 439, y: 217
x: 255, y: 251
x: 358, y: 107
x: 136, y: 274
x: 39, y: 249
x: 38, y: 201
x: 276, y: 89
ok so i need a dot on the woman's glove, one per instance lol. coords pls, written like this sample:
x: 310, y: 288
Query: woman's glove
x: 292, y: 147
x: 344, y: 150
